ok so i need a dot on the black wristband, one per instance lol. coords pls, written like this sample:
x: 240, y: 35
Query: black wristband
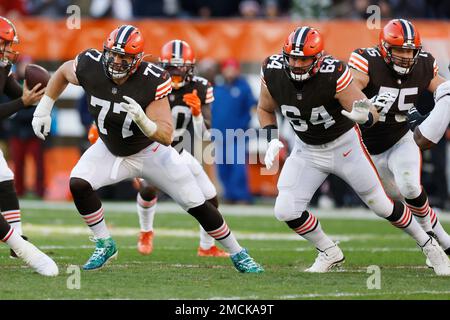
x: 369, y: 121
x: 269, y: 129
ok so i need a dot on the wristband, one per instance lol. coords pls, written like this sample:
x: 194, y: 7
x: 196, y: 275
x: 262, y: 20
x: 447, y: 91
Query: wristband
x: 369, y: 121
x: 269, y: 129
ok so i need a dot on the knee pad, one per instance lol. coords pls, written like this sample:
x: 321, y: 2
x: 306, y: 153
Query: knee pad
x: 214, y: 201
x: 286, y: 208
x: 409, y: 189
x: 80, y: 187
x: 148, y: 193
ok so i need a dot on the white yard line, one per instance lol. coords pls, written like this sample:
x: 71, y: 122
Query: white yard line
x: 335, y: 295
x: 231, y: 210
x: 46, y: 230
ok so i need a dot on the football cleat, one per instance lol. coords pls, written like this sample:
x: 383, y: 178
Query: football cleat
x: 214, y: 251
x: 105, y: 250
x: 244, y: 263
x: 12, y: 254
x: 436, y: 257
x: 327, y: 259
x: 37, y: 260
x: 145, y: 243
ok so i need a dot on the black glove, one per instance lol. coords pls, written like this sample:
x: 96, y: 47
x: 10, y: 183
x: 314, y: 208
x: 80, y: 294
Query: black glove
x: 415, y: 118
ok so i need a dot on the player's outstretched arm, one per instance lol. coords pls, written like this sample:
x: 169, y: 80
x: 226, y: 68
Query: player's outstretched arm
x: 356, y: 106
x: 431, y: 130
x: 56, y: 85
x: 155, y: 122
x: 268, y: 121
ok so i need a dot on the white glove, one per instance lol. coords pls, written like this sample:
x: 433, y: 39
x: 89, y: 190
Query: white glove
x: 147, y: 126
x: 273, y: 149
x: 442, y: 90
x: 360, y: 111
x: 42, y: 118
x: 383, y: 100
x: 133, y: 108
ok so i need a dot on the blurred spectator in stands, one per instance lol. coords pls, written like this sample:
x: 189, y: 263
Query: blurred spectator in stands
x: 438, y: 9
x: 208, y: 68
x: 49, y: 8
x: 119, y: 9
x: 231, y: 109
x: 155, y: 8
x: 409, y: 8
x: 207, y: 8
x: 359, y: 9
x: 249, y: 9
x: 310, y: 9
x: 23, y: 142
x: 13, y: 8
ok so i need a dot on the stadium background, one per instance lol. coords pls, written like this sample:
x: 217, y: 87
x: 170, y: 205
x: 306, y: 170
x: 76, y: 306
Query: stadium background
x: 246, y: 30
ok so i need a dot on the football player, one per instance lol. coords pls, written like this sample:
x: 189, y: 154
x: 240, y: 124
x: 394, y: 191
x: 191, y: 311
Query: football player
x: 399, y: 66
x: 10, y: 223
x: 316, y: 93
x: 190, y: 101
x: 128, y: 100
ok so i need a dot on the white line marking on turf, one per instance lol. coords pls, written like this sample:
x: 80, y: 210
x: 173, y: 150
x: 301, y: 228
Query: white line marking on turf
x: 232, y: 210
x: 185, y: 233
x: 336, y: 295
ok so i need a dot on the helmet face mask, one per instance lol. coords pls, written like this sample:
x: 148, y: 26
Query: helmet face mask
x: 181, y: 74
x: 7, y: 55
x: 402, y: 65
x: 299, y: 73
x: 120, y: 70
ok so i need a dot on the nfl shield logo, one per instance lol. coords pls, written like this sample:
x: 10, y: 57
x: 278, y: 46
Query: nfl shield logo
x: 299, y: 96
x: 114, y: 90
x: 172, y: 98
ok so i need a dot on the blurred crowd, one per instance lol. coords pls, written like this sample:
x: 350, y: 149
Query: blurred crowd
x: 296, y: 9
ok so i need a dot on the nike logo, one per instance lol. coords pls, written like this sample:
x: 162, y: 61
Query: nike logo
x: 347, y: 153
x: 155, y: 148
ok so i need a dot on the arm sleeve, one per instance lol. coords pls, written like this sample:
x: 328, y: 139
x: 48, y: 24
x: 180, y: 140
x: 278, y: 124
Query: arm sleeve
x: 9, y: 108
x: 13, y: 89
x: 434, y: 127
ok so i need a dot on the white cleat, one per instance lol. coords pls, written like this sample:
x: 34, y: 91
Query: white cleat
x: 327, y: 259
x: 37, y: 260
x: 437, y: 258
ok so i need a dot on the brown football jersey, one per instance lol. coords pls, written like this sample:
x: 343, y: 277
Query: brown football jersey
x: 181, y: 113
x: 310, y: 106
x: 120, y: 134
x: 392, y: 125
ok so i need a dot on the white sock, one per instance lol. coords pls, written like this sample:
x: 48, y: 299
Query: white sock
x: 442, y: 235
x: 146, y: 211
x: 312, y: 231
x: 206, y: 241
x: 14, y: 240
x: 411, y: 227
x: 226, y: 238
x: 96, y: 222
x: 100, y: 230
x: 13, y: 217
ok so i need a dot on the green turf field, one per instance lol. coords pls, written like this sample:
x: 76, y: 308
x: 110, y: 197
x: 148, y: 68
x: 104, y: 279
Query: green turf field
x: 174, y: 271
